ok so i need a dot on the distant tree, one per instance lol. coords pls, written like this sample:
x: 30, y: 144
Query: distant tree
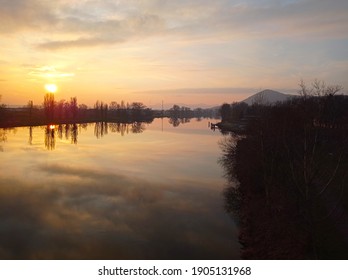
x: 83, y: 108
x: 60, y: 110
x: 137, y: 110
x: 198, y: 113
x: 73, y: 108
x: 1, y: 105
x: 238, y: 110
x: 114, y: 106
x: 30, y: 107
x: 225, y: 112
x: 175, y: 111
x: 49, y: 106
x: 101, y: 110
x: 2, y: 110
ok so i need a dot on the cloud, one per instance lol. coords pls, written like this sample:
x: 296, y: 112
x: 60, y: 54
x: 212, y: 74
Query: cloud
x: 92, y: 23
x: 219, y: 43
x: 47, y: 72
x: 21, y: 15
x: 200, y: 91
x: 106, y: 32
x: 81, y: 213
x: 80, y: 42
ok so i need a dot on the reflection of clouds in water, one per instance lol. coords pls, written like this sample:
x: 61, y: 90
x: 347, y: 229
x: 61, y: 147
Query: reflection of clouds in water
x: 82, y: 213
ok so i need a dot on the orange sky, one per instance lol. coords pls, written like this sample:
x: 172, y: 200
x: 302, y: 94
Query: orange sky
x: 189, y: 52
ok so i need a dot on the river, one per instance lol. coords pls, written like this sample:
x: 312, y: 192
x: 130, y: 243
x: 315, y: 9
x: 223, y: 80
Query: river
x: 113, y: 191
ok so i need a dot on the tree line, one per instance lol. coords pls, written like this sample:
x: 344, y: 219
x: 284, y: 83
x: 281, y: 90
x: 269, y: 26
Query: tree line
x: 62, y: 111
x: 290, y: 171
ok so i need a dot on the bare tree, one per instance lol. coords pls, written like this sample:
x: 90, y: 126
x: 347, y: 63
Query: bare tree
x: 49, y: 106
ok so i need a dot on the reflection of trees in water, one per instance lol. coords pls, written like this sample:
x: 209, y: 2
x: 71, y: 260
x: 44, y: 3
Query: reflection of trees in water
x: 3, y: 138
x: 125, y: 128
x: 69, y: 131
x: 121, y: 128
x: 232, y: 194
x: 174, y: 122
x: 30, y: 141
x: 100, y: 129
x: 137, y: 127
x: 3, y: 135
x: 50, y: 141
x: 74, y: 133
x: 177, y: 121
x: 60, y: 131
x: 83, y: 126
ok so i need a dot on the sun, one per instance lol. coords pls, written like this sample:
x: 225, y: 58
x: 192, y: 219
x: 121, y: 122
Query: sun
x: 51, y: 88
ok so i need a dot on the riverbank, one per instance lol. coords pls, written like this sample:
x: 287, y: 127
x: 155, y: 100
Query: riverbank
x: 291, y: 175
x: 36, y: 117
x: 269, y: 229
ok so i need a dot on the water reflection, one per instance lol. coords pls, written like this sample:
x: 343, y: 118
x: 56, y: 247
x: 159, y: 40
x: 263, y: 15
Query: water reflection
x: 157, y: 196
x: 30, y: 141
x: 74, y: 133
x: 232, y: 195
x: 71, y: 131
x: 3, y: 138
x: 100, y: 129
x: 3, y: 135
x: 122, y: 128
x: 175, y: 122
x: 109, y: 216
x: 138, y: 127
x: 52, y: 132
x: 50, y: 141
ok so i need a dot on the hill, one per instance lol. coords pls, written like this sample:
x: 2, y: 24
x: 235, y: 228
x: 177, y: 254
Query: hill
x: 267, y: 97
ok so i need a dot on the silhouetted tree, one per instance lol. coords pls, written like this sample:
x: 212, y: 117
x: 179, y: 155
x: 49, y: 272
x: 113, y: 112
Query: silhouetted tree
x: 292, y: 169
x: 83, y: 109
x: 60, y: 111
x: 137, y: 110
x: 30, y: 107
x: 49, y: 106
x: 73, y: 108
x: 225, y: 112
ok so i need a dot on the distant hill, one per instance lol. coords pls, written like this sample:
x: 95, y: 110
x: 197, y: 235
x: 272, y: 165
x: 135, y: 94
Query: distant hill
x: 267, y: 97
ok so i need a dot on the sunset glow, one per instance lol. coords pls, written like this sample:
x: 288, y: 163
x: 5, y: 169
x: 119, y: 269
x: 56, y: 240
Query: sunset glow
x: 186, y: 52
x: 51, y: 88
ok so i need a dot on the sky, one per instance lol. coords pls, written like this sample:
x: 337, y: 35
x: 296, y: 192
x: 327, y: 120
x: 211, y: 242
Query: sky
x: 193, y: 52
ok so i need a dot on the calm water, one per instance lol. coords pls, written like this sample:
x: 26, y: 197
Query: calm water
x: 146, y: 191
